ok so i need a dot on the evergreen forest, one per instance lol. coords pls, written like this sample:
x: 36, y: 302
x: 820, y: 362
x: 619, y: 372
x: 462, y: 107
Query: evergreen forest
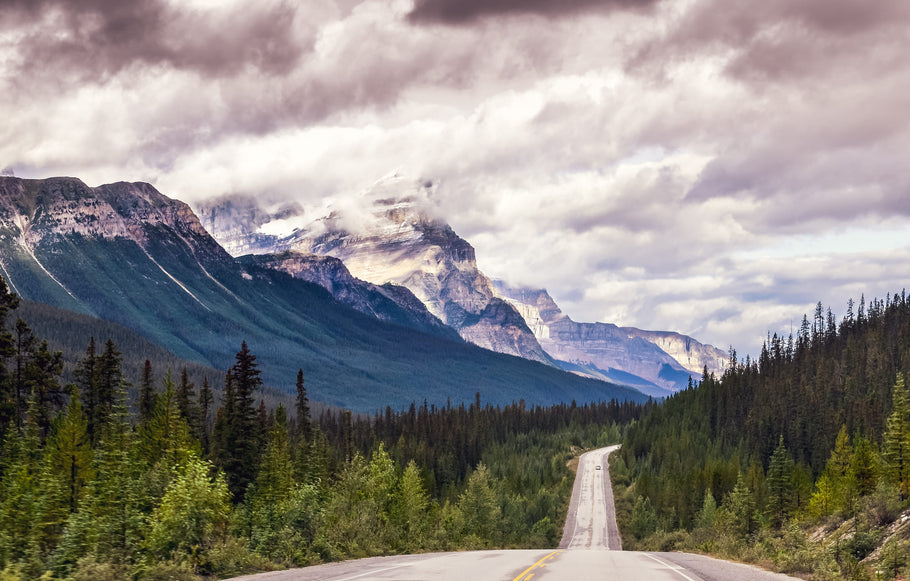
x: 798, y: 460
x: 178, y: 479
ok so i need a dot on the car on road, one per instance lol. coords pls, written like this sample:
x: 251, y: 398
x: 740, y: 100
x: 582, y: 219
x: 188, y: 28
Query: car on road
x: 597, y: 467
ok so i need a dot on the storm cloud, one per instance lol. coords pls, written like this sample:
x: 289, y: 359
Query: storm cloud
x: 460, y: 11
x: 713, y: 167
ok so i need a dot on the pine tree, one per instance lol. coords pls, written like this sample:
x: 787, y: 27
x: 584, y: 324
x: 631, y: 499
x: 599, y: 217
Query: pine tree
x: 896, y: 446
x: 780, y: 485
x: 69, y: 451
x: 304, y: 425
x: 146, y: 394
x: 8, y: 410
x: 185, y: 397
x: 41, y: 380
x: 204, y: 407
x: 708, y: 511
x: 86, y: 376
x: 241, y: 430
x: 26, y: 343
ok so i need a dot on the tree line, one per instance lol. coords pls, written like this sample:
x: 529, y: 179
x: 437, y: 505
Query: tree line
x: 810, y: 435
x: 173, y: 480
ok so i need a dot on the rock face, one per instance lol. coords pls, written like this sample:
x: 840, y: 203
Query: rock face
x: 664, y: 360
x: 395, y: 241
x: 130, y: 255
x: 390, y: 240
x: 236, y: 221
x: 391, y: 303
x: 691, y: 354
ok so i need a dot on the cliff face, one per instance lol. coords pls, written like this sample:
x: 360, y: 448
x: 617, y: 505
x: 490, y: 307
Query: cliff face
x: 395, y: 241
x: 130, y: 255
x: 388, y: 302
x: 691, y: 354
x: 665, y: 360
x: 41, y: 209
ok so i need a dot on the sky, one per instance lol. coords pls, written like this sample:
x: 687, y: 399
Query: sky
x: 714, y: 167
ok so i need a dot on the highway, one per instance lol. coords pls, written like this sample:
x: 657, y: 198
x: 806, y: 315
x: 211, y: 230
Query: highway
x: 589, y: 550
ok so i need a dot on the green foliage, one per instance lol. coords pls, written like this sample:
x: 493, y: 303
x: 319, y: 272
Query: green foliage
x: 796, y: 442
x: 99, y: 494
x: 896, y: 445
x: 479, y: 508
x: 644, y: 519
x: 193, y: 515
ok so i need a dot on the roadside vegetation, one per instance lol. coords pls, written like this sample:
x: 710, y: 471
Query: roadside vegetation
x: 171, y: 484
x: 798, y: 461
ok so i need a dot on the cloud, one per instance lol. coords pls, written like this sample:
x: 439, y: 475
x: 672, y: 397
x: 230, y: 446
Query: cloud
x: 649, y: 161
x: 465, y: 11
x: 93, y: 40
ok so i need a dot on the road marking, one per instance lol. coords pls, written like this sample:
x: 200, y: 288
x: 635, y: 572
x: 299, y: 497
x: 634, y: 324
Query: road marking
x: 374, y: 572
x: 674, y: 568
x: 524, y: 574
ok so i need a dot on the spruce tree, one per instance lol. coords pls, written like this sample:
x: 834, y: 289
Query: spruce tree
x: 185, y: 396
x: 242, y: 429
x: 780, y: 485
x: 86, y: 376
x: 146, y: 394
x: 42, y: 382
x: 896, y: 446
x: 8, y: 301
x: 26, y: 343
x: 204, y: 409
x: 304, y: 425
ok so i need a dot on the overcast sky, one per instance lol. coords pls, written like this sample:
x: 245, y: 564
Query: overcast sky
x: 713, y: 167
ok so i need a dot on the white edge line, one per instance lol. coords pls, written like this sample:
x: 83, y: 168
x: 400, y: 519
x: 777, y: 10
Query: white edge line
x: 674, y: 568
x: 374, y: 572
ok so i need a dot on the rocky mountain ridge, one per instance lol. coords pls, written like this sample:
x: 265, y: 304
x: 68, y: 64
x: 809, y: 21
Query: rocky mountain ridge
x: 394, y: 239
x: 132, y: 256
x: 399, y: 243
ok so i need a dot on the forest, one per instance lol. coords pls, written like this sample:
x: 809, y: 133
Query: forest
x: 167, y: 479
x: 798, y: 460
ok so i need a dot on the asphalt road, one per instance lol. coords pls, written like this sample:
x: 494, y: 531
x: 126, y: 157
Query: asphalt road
x: 591, y: 520
x: 589, y: 550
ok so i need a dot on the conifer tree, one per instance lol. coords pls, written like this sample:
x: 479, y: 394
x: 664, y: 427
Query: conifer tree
x: 69, y: 452
x: 26, y: 343
x: 896, y: 446
x: 8, y: 301
x: 204, y: 408
x: 780, y: 485
x: 86, y: 376
x: 241, y: 430
x: 42, y: 383
x: 146, y: 394
x: 18, y: 491
x: 185, y: 396
x: 304, y: 426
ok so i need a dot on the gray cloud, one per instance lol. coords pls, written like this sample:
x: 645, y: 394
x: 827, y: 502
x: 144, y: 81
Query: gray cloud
x: 93, y: 40
x: 465, y: 11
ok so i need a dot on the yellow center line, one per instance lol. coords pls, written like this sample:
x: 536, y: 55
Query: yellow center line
x: 534, y: 566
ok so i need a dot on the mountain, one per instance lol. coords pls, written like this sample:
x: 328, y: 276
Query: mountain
x: 656, y: 362
x: 126, y: 253
x: 392, y: 239
x: 389, y: 236
x: 388, y: 302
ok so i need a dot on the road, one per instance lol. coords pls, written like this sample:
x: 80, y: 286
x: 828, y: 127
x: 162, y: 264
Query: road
x: 591, y: 520
x: 589, y: 550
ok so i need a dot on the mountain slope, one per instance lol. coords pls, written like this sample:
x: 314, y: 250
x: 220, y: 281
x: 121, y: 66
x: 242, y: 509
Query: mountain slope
x: 622, y: 354
x: 128, y: 254
x: 390, y: 303
x: 389, y: 238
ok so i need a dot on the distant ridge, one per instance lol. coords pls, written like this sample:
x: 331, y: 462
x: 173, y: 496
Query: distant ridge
x: 126, y: 253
